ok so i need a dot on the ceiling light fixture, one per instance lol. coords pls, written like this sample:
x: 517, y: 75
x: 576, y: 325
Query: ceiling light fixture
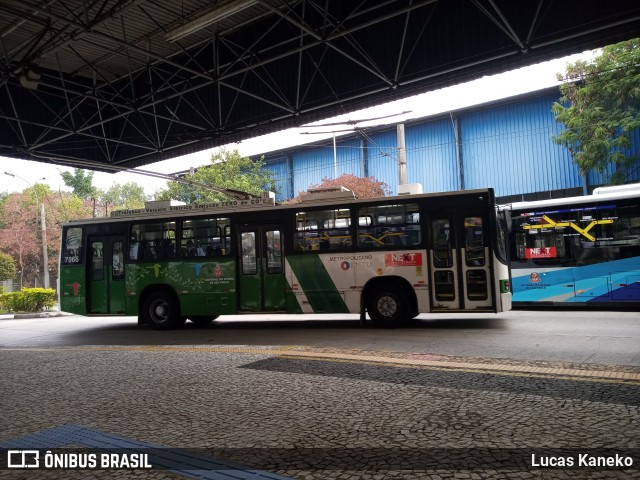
x: 207, y: 19
x: 29, y: 77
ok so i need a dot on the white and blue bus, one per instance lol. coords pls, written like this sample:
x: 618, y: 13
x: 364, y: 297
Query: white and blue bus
x: 578, y: 250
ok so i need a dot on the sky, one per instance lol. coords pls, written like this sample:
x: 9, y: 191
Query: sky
x: 486, y: 89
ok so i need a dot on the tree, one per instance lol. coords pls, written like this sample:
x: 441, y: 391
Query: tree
x: 228, y: 170
x: 7, y: 267
x: 80, y: 182
x: 20, y: 232
x: 123, y: 196
x: 19, y: 235
x: 600, y: 108
x: 3, y: 198
x: 363, y: 187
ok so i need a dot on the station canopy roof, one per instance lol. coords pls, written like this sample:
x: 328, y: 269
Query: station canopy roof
x: 113, y: 84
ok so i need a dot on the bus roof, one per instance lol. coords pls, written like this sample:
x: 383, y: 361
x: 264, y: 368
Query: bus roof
x: 265, y: 203
x: 616, y: 188
x: 611, y: 193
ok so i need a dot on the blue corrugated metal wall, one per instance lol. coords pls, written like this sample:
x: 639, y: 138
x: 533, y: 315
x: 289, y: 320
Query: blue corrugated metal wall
x: 279, y: 167
x: 431, y: 156
x: 508, y: 147
x: 383, y: 158
x: 311, y: 166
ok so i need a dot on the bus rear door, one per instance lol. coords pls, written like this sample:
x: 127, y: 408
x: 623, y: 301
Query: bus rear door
x: 460, y: 262
x: 261, y: 279
x: 106, y: 275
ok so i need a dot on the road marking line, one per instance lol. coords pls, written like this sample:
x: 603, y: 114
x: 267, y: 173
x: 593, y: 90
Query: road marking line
x: 292, y: 351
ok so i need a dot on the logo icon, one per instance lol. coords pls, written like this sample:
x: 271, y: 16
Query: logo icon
x: 217, y: 271
x: 23, y: 458
x: 345, y: 265
x: 534, y: 277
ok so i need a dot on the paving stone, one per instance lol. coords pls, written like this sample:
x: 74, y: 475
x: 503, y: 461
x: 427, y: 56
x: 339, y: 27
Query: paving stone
x: 299, y: 414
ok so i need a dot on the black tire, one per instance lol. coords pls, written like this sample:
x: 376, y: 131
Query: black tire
x: 161, y: 311
x: 389, y: 306
x: 203, y: 319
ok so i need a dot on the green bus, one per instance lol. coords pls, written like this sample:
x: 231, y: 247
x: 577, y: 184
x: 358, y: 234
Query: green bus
x: 390, y: 257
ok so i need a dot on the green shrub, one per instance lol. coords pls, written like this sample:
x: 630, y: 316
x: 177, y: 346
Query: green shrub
x: 28, y: 300
x: 7, y: 267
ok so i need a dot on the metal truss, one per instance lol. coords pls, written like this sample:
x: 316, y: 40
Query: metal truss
x: 104, y: 83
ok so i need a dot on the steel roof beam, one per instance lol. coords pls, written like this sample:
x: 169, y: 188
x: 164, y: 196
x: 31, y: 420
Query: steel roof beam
x: 585, y: 32
x: 66, y: 130
x: 113, y: 117
x: 91, y: 29
x: 141, y: 108
x: 417, y: 42
x: 319, y: 38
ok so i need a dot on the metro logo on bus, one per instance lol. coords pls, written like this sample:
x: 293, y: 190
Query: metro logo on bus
x: 403, y: 259
x: 542, y: 252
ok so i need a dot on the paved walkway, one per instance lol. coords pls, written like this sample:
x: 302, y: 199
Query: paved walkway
x: 317, y: 413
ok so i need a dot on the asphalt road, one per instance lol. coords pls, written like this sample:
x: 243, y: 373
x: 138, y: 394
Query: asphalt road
x: 595, y: 337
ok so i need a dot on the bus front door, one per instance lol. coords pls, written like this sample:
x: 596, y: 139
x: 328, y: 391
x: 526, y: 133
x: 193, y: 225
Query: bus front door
x: 106, y: 275
x: 261, y: 279
x: 460, y: 262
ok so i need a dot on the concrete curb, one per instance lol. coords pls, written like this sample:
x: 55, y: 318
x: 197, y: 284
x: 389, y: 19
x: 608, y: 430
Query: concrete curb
x: 18, y: 316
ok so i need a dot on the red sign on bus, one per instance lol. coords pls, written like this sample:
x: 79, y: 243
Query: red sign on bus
x: 403, y: 259
x: 542, y: 252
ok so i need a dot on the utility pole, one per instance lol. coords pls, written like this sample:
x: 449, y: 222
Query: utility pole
x: 45, y: 255
x: 402, y: 156
x: 335, y: 157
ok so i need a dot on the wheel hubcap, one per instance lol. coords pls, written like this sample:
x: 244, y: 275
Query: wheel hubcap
x: 159, y: 312
x: 387, y: 306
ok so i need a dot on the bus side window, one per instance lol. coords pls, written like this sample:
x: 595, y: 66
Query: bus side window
x: 248, y: 252
x: 72, y: 252
x: 474, y: 242
x: 537, y: 239
x: 521, y: 245
x: 441, y: 232
x: 620, y: 225
x: 388, y: 226
x: 152, y: 241
x: 322, y: 230
x: 117, y: 271
x: 97, y: 261
x: 205, y: 237
x: 134, y: 243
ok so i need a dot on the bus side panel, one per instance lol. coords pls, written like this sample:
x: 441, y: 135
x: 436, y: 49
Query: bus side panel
x: 614, y: 281
x: 351, y: 272
x: 333, y: 283
x: 203, y: 288
x: 313, y: 285
x: 502, y: 288
x: 274, y: 289
x: 73, y: 294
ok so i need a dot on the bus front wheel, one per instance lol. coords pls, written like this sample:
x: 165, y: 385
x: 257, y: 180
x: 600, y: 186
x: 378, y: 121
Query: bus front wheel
x: 389, y: 306
x: 161, y: 311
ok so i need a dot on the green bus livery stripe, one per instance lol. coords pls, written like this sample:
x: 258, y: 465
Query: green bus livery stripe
x: 317, y: 285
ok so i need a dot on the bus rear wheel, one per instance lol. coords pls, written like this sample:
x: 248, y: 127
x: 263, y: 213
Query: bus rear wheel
x: 389, y: 307
x: 160, y: 310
